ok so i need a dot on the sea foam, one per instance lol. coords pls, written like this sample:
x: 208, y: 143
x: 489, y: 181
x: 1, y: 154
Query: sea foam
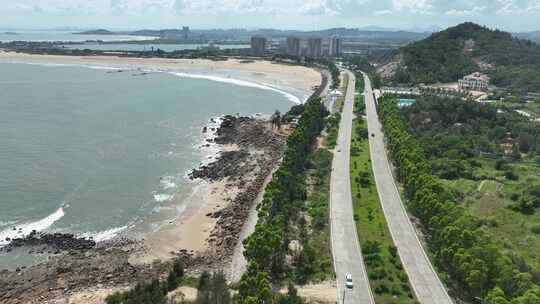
x: 106, y: 234
x: 162, y: 197
x: 239, y: 82
x: 22, y: 230
x: 167, y: 182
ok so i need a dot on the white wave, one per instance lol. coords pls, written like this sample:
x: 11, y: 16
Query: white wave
x: 239, y: 82
x: 52, y: 64
x: 168, y: 182
x: 106, y: 234
x: 163, y: 197
x: 22, y: 230
x: 158, y: 208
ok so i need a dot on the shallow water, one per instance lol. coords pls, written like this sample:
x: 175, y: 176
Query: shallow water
x: 94, y: 151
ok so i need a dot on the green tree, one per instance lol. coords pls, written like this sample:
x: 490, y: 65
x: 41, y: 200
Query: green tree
x: 254, y: 286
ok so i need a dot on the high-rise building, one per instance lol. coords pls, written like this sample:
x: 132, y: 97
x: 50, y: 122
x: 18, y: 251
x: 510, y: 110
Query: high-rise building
x: 258, y: 45
x: 335, y: 46
x: 293, y: 46
x: 314, y: 49
x: 185, y: 32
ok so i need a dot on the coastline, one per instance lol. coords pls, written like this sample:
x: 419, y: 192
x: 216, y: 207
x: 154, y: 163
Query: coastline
x: 199, y: 232
x: 277, y: 76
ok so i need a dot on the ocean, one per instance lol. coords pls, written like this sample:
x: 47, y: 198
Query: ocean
x: 52, y: 35
x: 96, y: 152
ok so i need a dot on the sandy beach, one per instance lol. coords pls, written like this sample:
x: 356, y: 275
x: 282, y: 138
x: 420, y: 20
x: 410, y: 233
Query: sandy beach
x: 266, y: 72
x: 192, y: 229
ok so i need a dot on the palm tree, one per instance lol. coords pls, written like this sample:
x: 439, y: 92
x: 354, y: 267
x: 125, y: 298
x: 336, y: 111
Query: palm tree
x: 276, y: 119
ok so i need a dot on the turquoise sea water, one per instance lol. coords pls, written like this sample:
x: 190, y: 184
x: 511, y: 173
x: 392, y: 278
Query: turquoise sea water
x: 93, y: 151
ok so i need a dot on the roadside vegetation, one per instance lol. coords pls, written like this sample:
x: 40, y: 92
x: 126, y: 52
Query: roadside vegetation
x: 439, y: 158
x: 387, y: 278
x: 335, y: 119
x: 154, y: 292
x: 280, y: 247
x: 361, y: 63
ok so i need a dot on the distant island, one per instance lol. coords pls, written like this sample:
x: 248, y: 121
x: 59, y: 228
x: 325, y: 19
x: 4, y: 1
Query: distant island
x: 95, y: 32
x: 10, y: 33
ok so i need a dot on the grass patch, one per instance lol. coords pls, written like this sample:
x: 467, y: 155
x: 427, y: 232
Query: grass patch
x: 491, y: 200
x: 387, y: 278
x: 318, y: 177
x: 332, y: 130
x: 332, y: 123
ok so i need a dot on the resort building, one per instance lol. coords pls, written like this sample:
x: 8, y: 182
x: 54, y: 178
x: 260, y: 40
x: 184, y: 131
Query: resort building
x: 258, y: 46
x: 185, y: 32
x: 293, y: 46
x: 314, y: 47
x: 474, y: 82
x: 335, y: 47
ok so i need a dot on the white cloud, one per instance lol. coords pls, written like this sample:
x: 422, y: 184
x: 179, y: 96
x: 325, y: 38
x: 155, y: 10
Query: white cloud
x: 475, y: 11
x: 513, y: 7
x: 318, y: 7
x: 383, y: 12
x: 417, y: 6
x: 264, y: 13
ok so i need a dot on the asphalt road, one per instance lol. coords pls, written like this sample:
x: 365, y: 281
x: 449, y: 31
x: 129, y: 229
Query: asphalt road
x: 424, y: 280
x: 345, y: 246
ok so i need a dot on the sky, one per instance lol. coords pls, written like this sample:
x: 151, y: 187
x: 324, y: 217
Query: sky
x: 510, y: 15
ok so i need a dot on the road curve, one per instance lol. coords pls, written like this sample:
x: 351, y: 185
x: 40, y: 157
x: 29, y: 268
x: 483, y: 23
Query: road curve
x: 424, y: 280
x: 345, y: 246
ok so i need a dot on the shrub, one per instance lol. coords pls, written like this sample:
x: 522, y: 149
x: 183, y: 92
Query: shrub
x: 535, y: 229
x: 510, y: 175
x: 393, y: 250
x: 355, y: 152
x: 382, y: 289
x: 371, y: 247
x: 396, y: 291
x: 365, y: 180
x: 501, y: 164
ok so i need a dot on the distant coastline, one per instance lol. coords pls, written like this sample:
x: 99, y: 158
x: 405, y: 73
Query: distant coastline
x: 278, y: 76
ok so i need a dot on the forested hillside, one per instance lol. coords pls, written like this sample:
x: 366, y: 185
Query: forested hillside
x: 479, y: 219
x: 448, y: 55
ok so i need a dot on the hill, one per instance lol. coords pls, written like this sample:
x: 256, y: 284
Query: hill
x: 448, y: 55
x: 534, y: 36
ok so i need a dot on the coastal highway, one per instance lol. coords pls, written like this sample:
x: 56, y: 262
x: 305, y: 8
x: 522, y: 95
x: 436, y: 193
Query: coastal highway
x: 424, y: 280
x: 345, y: 246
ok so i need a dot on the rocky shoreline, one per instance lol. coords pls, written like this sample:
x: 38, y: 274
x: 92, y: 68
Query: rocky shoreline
x: 254, y: 148
x: 55, y: 243
x: 258, y: 149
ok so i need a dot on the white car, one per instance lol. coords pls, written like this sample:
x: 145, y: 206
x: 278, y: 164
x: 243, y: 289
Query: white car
x: 348, y: 281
